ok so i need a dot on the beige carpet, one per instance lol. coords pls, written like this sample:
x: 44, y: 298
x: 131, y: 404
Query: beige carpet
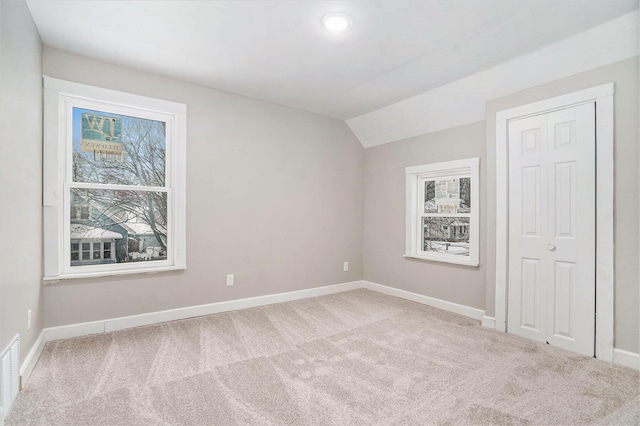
x: 357, y: 357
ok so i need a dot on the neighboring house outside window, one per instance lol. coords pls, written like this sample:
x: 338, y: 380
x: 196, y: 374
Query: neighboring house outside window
x: 116, y: 201
x: 90, y: 226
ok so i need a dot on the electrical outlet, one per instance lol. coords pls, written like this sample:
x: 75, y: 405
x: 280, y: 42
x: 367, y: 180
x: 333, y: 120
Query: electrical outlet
x: 28, y: 319
x: 345, y: 266
x: 229, y: 279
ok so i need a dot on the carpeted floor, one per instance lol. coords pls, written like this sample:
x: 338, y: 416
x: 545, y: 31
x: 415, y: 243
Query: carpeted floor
x: 358, y: 357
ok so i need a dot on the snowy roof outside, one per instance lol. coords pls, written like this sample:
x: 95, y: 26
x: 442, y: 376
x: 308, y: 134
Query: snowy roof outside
x: 126, y: 220
x: 459, y: 223
x: 80, y: 231
x: 139, y: 228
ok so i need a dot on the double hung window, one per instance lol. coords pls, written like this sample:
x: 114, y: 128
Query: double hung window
x: 442, y: 211
x: 114, y: 182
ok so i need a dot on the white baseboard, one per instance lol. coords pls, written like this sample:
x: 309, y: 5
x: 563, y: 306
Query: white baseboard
x: 626, y: 358
x: 467, y: 311
x: 73, y: 330
x: 621, y: 357
x: 231, y: 305
x: 32, y: 357
x: 489, y: 322
x: 113, y: 324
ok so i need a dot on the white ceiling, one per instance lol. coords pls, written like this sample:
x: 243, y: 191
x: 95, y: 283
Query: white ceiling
x: 277, y: 51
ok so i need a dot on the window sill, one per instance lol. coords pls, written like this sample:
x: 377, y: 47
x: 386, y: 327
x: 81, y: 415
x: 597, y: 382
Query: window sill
x: 442, y: 259
x: 47, y: 281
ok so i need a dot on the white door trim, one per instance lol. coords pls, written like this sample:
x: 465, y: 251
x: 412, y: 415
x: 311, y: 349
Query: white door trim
x: 603, y: 98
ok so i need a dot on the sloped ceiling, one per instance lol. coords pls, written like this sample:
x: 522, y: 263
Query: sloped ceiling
x: 277, y: 51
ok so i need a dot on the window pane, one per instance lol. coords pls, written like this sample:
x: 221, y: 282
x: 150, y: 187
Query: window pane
x: 96, y: 250
x: 448, y: 235
x: 84, y: 212
x: 117, y: 149
x: 123, y: 216
x: 465, y: 195
x: 429, y: 197
x: 86, y: 251
x: 75, y: 251
x: 448, y: 196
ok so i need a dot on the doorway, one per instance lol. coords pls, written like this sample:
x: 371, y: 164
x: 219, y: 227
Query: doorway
x: 550, y: 281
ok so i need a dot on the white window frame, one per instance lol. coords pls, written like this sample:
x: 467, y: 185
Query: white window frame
x: 415, y: 177
x: 60, y: 97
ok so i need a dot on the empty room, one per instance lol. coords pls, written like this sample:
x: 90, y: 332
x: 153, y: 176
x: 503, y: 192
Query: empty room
x: 319, y: 212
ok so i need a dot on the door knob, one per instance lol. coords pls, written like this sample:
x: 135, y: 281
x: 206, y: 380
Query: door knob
x: 551, y: 247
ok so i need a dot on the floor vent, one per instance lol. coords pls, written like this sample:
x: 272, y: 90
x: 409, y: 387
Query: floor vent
x: 10, y: 374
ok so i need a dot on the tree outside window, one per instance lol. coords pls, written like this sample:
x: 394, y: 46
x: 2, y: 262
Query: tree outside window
x: 135, y: 158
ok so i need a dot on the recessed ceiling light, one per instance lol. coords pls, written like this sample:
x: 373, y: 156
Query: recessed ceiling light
x: 336, y: 21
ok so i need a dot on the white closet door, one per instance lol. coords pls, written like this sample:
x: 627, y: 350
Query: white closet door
x: 552, y: 228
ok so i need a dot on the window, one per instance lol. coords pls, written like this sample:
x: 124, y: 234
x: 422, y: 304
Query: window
x: 114, y: 172
x: 96, y: 251
x: 93, y: 252
x: 75, y: 251
x: 79, y: 212
x: 86, y: 251
x: 442, y: 212
x: 84, y: 212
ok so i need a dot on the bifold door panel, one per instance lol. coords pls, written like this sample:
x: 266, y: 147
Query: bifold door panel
x: 551, y: 296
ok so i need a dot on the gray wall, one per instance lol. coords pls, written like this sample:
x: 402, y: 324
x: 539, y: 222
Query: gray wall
x: 20, y: 175
x: 384, y: 211
x: 626, y: 213
x: 274, y: 196
x: 384, y: 216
